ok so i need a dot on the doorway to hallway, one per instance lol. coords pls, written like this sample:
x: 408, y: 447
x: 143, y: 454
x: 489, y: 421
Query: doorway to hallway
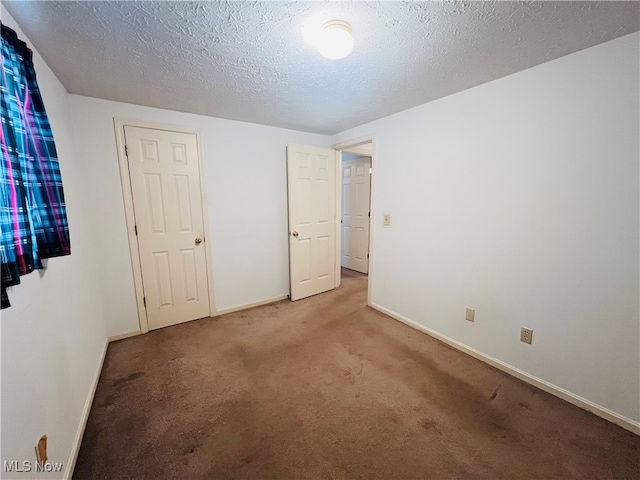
x: 356, y: 211
x: 355, y: 208
x: 319, y: 181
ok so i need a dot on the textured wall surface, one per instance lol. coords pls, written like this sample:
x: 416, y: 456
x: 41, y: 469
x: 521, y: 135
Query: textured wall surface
x: 249, y: 61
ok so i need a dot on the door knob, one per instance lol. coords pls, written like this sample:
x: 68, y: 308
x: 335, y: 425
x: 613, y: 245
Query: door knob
x: 295, y: 234
x: 198, y: 241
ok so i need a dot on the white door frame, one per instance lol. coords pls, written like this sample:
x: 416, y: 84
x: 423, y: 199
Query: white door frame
x: 339, y: 147
x: 119, y: 123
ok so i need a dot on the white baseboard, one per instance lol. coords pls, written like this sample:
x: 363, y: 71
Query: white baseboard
x: 251, y: 305
x: 122, y: 336
x: 576, y: 400
x: 75, y: 449
x: 115, y: 338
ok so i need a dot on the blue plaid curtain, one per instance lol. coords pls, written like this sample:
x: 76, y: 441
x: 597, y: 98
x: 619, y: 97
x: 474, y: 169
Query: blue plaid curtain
x: 33, y: 215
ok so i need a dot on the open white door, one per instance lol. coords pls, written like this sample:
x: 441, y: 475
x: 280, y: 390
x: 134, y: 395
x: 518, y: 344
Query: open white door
x: 312, y: 219
x: 356, y: 194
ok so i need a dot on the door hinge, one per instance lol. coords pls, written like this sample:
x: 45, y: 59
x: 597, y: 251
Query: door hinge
x: 126, y: 151
x: 367, y: 255
x: 135, y: 227
x: 144, y: 301
x: 369, y: 214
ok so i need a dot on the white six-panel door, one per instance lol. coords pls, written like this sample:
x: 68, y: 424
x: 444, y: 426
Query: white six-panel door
x: 356, y: 192
x: 165, y: 182
x: 312, y: 219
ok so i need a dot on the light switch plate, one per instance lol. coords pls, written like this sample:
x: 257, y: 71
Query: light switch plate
x: 386, y: 219
x: 470, y: 315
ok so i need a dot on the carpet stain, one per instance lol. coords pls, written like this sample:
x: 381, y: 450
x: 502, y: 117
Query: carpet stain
x: 428, y: 424
x: 121, y: 383
x: 192, y: 449
x: 495, y: 393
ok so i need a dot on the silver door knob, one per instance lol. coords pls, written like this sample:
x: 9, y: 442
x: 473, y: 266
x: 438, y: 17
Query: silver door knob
x: 198, y: 241
x: 295, y: 234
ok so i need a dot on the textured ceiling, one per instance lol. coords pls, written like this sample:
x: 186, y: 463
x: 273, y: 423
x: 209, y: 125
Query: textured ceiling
x: 249, y: 61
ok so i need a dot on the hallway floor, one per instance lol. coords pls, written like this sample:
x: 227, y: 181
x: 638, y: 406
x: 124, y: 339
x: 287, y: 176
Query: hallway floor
x: 326, y: 387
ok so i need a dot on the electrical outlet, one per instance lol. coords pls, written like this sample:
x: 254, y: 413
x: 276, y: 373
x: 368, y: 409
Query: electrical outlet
x: 526, y: 335
x: 470, y: 315
x: 386, y: 219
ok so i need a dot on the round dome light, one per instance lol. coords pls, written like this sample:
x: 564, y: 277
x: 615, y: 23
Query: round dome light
x: 334, y: 40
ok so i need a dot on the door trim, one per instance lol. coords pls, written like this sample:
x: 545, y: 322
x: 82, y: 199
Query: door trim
x: 338, y: 147
x: 127, y: 194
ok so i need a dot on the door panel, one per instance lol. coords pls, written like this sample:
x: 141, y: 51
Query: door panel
x: 312, y: 222
x: 165, y: 182
x: 356, y: 192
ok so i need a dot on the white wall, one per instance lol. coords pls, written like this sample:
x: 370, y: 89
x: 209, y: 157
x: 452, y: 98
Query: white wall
x: 245, y: 171
x: 520, y: 198
x: 53, y: 335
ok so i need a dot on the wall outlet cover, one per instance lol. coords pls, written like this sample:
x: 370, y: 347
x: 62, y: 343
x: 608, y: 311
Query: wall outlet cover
x: 526, y: 335
x: 470, y: 314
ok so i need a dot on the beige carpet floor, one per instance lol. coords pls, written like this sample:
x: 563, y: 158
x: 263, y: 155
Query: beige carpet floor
x: 327, y: 388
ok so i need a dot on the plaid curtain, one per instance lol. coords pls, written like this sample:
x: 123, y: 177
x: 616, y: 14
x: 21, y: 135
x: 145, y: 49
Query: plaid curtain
x: 33, y: 215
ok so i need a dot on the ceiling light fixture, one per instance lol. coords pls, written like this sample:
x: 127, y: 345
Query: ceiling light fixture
x: 334, y: 40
